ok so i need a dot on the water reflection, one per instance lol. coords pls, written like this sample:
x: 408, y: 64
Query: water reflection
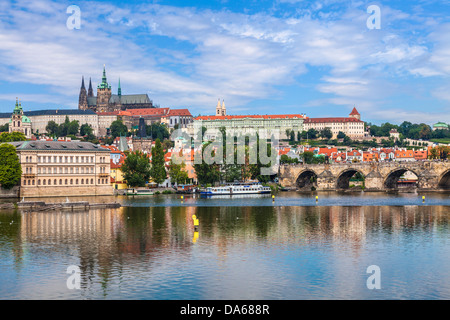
x: 285, y: 252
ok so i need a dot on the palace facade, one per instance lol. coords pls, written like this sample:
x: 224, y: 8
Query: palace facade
x: 352, y: 125
x: 53, y: 168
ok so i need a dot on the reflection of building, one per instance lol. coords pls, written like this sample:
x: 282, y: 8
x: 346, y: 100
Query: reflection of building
x: 53, y: 168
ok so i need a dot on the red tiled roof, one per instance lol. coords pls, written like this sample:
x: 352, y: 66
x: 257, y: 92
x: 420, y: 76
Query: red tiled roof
x: 270, y: 116
x: 327, y: 120
x: 145, y: 112
x: 354, y: 112
x: 179, y: 112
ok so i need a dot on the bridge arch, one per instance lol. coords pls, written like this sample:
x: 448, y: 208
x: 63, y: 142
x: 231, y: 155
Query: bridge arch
x: 306, y: 180
x: 391, y: 179
x: 343, y: 178
x: 444, y: 180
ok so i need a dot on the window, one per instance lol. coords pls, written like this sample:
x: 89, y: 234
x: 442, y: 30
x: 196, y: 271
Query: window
x: 65, y: 181
x: 82, y: 181
x: 92, y: 181
x: 71, y: 181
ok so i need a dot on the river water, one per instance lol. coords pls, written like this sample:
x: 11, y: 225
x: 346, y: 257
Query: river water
x: 254, y: 247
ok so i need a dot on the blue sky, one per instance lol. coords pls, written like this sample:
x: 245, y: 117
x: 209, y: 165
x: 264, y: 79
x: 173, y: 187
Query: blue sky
x: 261, y: 57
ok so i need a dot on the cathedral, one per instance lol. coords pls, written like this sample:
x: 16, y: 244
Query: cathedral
x: 105, y: 101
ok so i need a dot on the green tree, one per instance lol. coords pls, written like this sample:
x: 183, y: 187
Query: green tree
x: 158, y: 170
x: 52, y: 128
x: 326, y: 133
x: 13, y: 136
x: 136, y: 169
x: 10, y: 169
x: 307, y: 157
x: 341, y: 135
x: 86, y: 130
x: 177, y: 172
x: 312, y: 133
x: 207, y: 173
x: 118, y: 129
x: 157, y: 130
x: 4, y: 128
x: 73, y: 128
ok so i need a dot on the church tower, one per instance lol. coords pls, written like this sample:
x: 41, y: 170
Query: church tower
x: 20, y: 122
x: 220, y: 109
x: 355, y: 114
x: 82, y: 99
x: 90, y: 91
x: 224, y: 110
x: 103, y: 94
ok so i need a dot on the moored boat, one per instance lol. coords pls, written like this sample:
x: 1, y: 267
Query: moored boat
x: 138, y: 192
x: 236, y: 190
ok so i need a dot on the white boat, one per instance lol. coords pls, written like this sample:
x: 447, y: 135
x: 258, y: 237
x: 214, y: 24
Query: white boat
x: 236, y: 190
x: 138, y: 192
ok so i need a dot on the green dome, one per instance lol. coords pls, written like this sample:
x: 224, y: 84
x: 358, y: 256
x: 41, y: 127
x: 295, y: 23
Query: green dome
x: 26, y: 119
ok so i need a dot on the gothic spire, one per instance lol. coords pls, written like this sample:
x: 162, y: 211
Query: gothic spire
x: 82, y: 82
x: 119, y: 90
x: 90, y: 91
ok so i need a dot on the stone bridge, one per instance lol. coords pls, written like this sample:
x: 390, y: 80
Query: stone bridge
x: 378, y: 176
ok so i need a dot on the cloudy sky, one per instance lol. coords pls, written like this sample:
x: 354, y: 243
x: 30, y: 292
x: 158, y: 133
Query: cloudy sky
x: 262, y: 57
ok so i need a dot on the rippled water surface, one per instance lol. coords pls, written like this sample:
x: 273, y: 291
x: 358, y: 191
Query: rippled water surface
x: 245, y: 248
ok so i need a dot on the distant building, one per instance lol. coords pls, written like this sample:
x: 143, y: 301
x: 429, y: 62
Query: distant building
x: 352, y: 125
x: 394, y: 134
x: 440, y: 126
x: 53, y: 168
x: 37, y: 121
x: 250, y: 123
x: 105, y: 101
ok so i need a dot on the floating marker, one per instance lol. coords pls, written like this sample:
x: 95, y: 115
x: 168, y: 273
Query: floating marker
x: 423, y: 198
x: 317, y: 198
x: 273, y: 197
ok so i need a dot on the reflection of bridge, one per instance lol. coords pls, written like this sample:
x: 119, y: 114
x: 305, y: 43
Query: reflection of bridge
x: 378, y: 176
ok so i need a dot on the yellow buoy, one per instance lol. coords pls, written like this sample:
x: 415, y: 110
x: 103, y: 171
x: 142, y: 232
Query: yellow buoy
x: 423, y: 198
x: 181, y: 197
x: 317, y: 198
x: 194, y: 240
x: 273, y: 197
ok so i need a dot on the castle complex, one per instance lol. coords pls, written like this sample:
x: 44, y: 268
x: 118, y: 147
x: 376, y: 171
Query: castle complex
x: 105, y: 101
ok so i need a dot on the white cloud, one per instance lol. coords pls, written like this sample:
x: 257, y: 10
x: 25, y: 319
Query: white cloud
x: 218, y: 54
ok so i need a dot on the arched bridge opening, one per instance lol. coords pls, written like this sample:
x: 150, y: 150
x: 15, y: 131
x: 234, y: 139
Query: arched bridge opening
x: 350, y: 178
x: 444, y: 181
x: 401, y: 179
x: 307, y: 181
